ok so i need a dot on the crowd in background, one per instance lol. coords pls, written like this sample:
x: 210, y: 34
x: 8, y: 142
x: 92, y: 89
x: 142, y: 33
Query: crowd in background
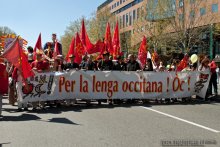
x: 40, y: 63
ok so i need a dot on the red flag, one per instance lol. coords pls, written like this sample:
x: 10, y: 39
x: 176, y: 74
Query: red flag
x: 79, y: 49
x: 93, y: 48
x: 108, y: 40
x: 89, y: 47
x: 56, y: 50
x: 98, y: 47
x: 38, y: 46
x: 102, y: 48
x: 16, y: 56
x: 183, y: 63
x: 142, y: 53
x: 83, y: 33
x: 71, y: 50
x: 116, y: 42
x: 25, y: 66
x: 155, y: 56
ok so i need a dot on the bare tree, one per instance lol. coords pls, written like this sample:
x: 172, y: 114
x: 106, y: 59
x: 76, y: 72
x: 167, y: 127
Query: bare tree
x: 178, y: 27
x: 97, y: 24
x: 71, y: 30
x: 4, y: 31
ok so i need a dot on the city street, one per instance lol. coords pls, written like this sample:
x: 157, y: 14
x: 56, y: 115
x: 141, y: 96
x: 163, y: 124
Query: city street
x: 149, y: 125
x: 110, y: 73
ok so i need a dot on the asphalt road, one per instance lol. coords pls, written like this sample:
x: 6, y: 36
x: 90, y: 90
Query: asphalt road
x: 137, y: 125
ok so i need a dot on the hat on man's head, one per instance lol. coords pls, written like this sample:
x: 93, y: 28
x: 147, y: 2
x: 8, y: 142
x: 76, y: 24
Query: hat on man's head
x: 54, y: 34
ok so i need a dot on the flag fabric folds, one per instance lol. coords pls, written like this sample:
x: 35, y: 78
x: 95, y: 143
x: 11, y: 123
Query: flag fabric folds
x: 17, y: 57
x: 183, y: 63
x: 89, y: 47
x: 38, y: 46
x: 108, y: 40
x: 116, y: 42
x: 71, y: 49
x: 79, y: 49
x: 142, y: 53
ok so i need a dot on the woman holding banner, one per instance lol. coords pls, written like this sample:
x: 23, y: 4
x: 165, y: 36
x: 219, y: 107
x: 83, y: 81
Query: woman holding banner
x: 204, y: 67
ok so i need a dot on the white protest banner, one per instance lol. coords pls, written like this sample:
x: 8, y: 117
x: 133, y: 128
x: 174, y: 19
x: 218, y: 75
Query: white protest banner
x: 115, y: 85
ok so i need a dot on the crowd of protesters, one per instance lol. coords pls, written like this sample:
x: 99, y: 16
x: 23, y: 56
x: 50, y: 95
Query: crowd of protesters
x: 41, y: 64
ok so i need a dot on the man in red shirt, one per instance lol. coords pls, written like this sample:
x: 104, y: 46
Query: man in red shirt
x: 40, y: 65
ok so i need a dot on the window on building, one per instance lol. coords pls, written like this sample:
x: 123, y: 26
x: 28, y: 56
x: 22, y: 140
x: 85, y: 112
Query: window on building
x: 181, y: 17
x: 130, y: 18
x: 126, y: 19
x: 123, y: 1
x: 138, y: 13
x: 202, y: 11
x: 214, y: 8
x: 120, y: 21
x: 181, y: 3
x: 118, y: 3
x: 134, y: 14
x: 115, y: 5
x: 192, y: 1
x: 192, y: 14
x: 123, y: 21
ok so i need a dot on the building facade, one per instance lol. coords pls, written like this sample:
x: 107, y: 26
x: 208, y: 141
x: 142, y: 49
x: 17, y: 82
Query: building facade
x: 188, y: 14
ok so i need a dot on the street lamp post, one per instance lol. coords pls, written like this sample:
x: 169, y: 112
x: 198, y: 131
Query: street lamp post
x: 211, y: 42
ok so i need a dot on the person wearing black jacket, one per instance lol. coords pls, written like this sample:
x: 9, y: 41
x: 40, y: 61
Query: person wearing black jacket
x: 72, y: 64
x: 90, y: 65
x: 105, y: 64
x: 149, y: 65
x: 132, y: 64
x: 119, y: 65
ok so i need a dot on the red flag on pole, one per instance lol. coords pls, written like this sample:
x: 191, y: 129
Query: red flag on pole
x: 16, y: 56
x: 183, y: 63
x: 38, y: 46
x: 108, y: 40
x: 83, y: 33
x: 89, y: 47
x: 116, y: 42
x: 25, y: 66
x: 71, y: 50
x: 79, y: 49
x: 142, y: 53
